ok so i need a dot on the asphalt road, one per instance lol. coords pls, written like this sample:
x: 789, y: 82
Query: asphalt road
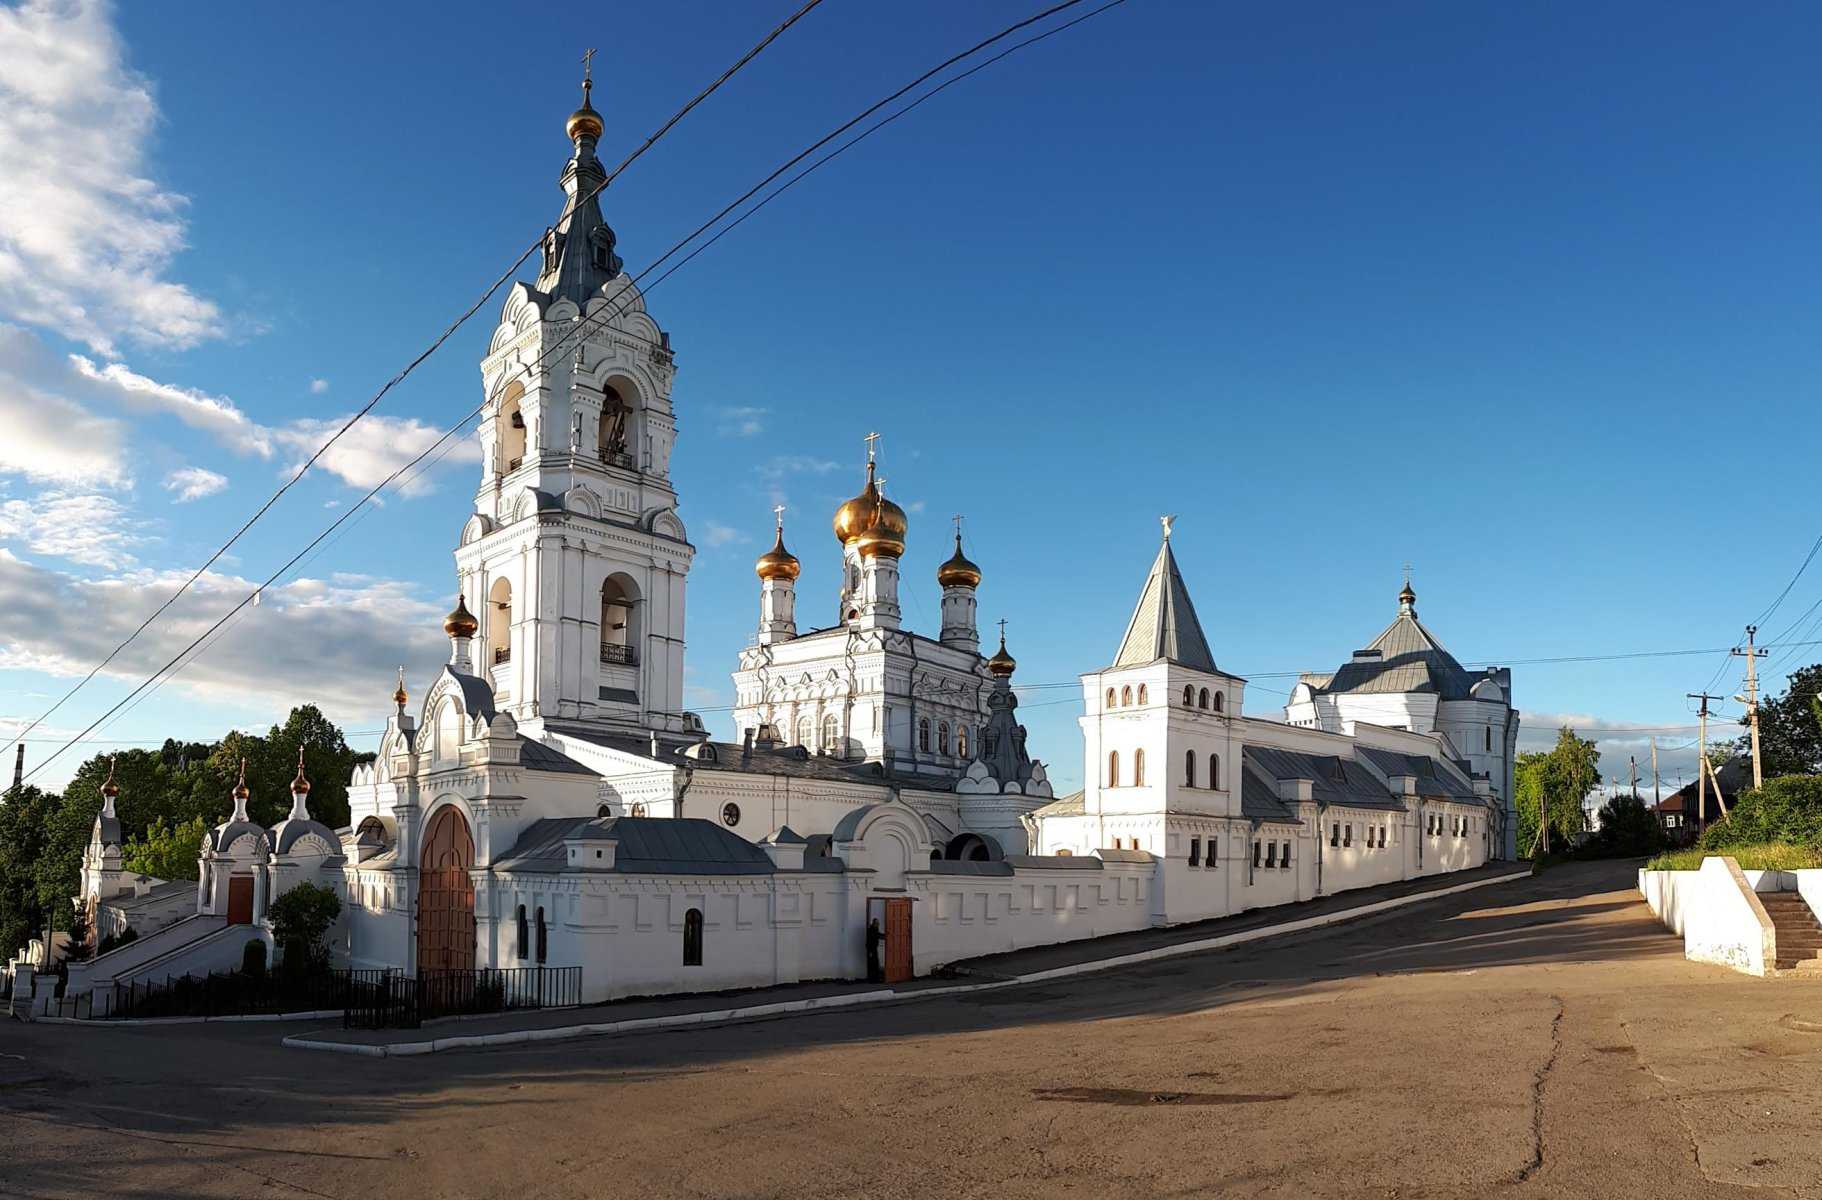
x: 1541, y: 1038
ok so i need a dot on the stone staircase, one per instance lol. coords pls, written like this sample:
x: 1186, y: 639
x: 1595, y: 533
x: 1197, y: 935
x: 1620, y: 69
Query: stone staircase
x: 1799, y: 933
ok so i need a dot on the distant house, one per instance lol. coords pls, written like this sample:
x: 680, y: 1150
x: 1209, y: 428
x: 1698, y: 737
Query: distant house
x: 1681, y: 811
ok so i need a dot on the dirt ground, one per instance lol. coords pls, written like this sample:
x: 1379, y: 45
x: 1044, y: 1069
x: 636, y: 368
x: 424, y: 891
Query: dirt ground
x: 1539, y: 1038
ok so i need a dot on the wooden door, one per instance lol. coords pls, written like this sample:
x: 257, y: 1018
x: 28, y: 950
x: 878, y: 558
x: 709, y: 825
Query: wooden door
x: 240, y: 899
x: 898, y: 940
x: 446, y: 896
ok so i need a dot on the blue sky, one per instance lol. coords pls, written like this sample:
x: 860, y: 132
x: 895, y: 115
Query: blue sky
x: 1524, y: 296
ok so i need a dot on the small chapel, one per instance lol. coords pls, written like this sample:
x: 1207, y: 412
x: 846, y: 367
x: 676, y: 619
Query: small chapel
x: 548, y: 800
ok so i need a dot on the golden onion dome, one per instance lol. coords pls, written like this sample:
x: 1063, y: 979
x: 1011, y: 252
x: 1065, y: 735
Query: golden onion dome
x: 460, y: 623
x: 398, y: 696
x: 585, y: 121
x: 1002, y: 664
x: 857, y: 514
x: 778, y: 563
x: 958, y: 571
x: 301, y: 784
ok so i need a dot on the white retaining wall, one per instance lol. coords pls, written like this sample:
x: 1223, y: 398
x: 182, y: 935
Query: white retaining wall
x: 1717, y: 911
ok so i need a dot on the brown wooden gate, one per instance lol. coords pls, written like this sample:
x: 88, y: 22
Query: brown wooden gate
x: 446, y: 896
x: 240, y: 899
x: 898, y: 940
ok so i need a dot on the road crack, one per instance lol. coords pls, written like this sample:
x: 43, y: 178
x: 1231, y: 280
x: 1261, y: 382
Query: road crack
x: 1537, y: 1095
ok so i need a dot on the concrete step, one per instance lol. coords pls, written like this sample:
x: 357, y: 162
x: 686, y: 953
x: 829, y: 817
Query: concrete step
x: 1802, y: 966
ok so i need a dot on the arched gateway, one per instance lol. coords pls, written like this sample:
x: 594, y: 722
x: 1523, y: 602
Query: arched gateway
x: 446, y: 895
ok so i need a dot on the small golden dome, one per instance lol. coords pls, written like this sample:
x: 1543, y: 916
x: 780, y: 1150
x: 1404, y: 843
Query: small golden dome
x: 778, y: 563
x: 585, y: 121
x: 110, y: 789
x: 241, y: 791
x: 857, y: 515
x: 399, y: 697
x: 1002, y: 664
x: 460, y: 623
x: 958, y: 571
x: 300, y: 785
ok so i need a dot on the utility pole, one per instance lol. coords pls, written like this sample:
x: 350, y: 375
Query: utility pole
x: 1752, y: 655
x: 1657, y: 792
x: 1632, y: 764
x: 1701, y: 773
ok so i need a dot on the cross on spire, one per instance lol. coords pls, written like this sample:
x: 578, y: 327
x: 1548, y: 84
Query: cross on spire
x: 1002, y: 631
x: 587, y: 65
x: 1407, y: 574
x: 957, y: 518
x: 872, y: 440
x: 778, y: 511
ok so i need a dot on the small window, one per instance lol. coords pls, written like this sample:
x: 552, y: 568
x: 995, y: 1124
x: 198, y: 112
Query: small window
x: 1214, y: 853
x: 692, y: 938
x: 1189, y: 768
x: 1489, y: 738
x: 1214, y: 771
x: 1195, y: 851
x: 1271, y: 855
x: 1284, y: 859
x: 1141, y: 694
x: 1126, y: 697
x: 543, y: 936
x: 1138, y: 768
x: 639, y: 810
x: 524, y: 941
x: 1110, y: 698
x: 1257, y: 849
x: 1113, y: 768
x: 831, y: 732
x: 942, y: 737
x: 961, y: 741
x: 1335, y: 835
x: 1202, y: 698
x: 1065, y: 854
x: 1347, y: 834
x: 1189, y: 697
x: 730, y: 815
x: 1217, y: 702
x: 923, y: 733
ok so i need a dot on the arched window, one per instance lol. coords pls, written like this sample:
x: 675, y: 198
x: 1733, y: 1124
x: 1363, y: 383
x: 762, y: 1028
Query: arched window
x: 923, y: 733
x: 942, y: 737
x: 961, y: 741
x: 1189, y: 768
x: 1489, y: 738
x: 803, y: 731
x: 617, y: 644
x: 638, y: 810
x: 1218, y: 701
x: 1113, y: 768
x: 1189, y: 696
x: 1125, y: 697
x: 831, y: 733
x: 1202, y: 698
x: 1110, y: 698
x: 1141, y: 694
x: 499, y: 622
x: 611, y: 437
x: 524, y: 947
x: 1138, y: 768
x: 509, y: 426
x: 692, y: 938
x: 543, y: 935
x: 1214, y: 771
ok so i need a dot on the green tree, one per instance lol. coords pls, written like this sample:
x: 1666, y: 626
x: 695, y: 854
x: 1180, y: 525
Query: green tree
x: 165, y: 851
x: 301, y: 920
x: 1787, y: 809
x: 1558, y: 781
x: 23, y: 822
x: 1628, y: 829
x: 1790, y: 726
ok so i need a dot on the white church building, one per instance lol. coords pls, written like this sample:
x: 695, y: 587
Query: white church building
x: 549, y: 801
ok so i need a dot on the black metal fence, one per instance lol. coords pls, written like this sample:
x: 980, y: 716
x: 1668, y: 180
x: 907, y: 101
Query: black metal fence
x: 391, y: 1000
x: 224, y: 994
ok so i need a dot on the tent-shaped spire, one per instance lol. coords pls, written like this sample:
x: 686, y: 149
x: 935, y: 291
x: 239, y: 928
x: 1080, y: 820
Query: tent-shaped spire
x: 579, y: 249
x: 1164, y: 623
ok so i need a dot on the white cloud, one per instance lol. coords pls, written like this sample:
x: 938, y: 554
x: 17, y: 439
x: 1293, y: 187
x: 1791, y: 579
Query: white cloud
x: 215, y: 415
x: 318, y: 386
x: 331, y: 642
x: 48, y: 436
x: 85, y: 528
x: 193, y: 483
x: 86, y: 237
x: 741, y: 421
x: 916, y: 506
x: 376, y: 448
x: 716, y: 534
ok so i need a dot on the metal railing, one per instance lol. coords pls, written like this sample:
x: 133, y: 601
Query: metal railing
x: 617, y: 458
x: 614, y: 652
x: 392, y: 1000
x: 502, y: 654
x: 220, y: 994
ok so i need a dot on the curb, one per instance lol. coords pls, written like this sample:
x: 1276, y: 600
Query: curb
x: 318, y: 1014
x: 761, y: 1012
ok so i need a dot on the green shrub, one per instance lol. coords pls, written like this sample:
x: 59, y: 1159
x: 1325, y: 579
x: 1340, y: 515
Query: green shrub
x: 1768, y: 856
x: 301, y: 920
x: 1627, y: 830
x: 1787, y: 809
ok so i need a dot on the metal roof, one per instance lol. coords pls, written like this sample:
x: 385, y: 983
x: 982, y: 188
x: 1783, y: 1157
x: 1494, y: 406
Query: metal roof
x: 1335, y: 780
x: 646, y: 845
x: 1405, y: 657
x: 539, y: 757
x: 1164, y: 623
x: 1434, y: 778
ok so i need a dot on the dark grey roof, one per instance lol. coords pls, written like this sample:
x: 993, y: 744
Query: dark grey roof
x: 228, y: 832
x: 477, y: 694
x: 1164, y: 623
x: 288, y: 832
x: 1406, y: 657
x: 733, y: 756
x: 158, y: 893
x: 584, y: 257
x: 539, y: 757
x: 1433, y: 777
x: 106, y: 830
x: 1335, y: 780
x: 784, y: 835
x: 1259, y: 800
x: 646, y: 845
x: 950, y: 866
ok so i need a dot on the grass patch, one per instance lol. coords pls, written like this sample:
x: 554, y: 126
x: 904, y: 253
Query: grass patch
x: 1765, y: 856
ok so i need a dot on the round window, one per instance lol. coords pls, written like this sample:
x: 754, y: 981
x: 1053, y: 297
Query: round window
x: 730, y: 814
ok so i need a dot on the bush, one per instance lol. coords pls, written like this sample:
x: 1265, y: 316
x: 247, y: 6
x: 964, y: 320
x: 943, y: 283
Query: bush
x: 1628, y: 830
x: 301, y: 920
x: 1769, y: 856
x: 1787, y: 809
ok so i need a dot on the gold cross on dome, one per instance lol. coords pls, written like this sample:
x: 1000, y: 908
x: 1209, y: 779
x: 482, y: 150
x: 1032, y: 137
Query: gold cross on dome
x: 872, y: 440
x: 1002, y: 629
x: 587, y: 64
x: 1407, y: 574
x: 958, y: 526
x: 778, y: 511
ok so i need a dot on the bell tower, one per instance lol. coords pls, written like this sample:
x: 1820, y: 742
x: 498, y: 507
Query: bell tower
x: 574, y: 561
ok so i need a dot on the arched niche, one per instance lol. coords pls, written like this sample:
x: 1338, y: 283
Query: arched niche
x: 621, y: 611
x: 499, y: 622
x: 509, y: 429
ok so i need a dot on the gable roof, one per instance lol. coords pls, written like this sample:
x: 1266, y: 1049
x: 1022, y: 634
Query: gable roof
x: 650, y: 845
x: 1405, y: 657
x: 1164, y: 623
x: 1334, y: 780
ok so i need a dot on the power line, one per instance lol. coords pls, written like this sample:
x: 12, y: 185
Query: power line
x: 411, y: 366
x: 562, y: 344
